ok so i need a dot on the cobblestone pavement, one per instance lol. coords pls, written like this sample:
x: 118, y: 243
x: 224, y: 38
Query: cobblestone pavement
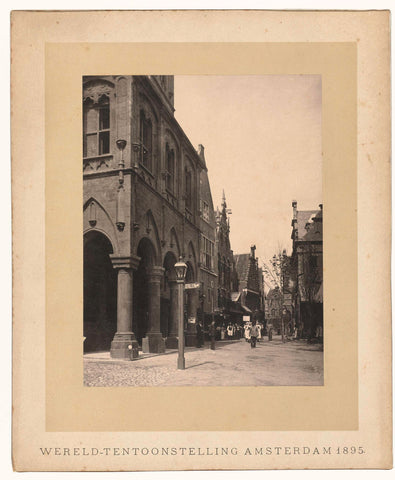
x: 231, y: 363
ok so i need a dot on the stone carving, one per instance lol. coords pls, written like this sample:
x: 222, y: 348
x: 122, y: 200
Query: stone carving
x: 95, y: 89
x: 97, y: 163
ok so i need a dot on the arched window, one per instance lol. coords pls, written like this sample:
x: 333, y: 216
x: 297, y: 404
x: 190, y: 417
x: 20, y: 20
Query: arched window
x: 170, y: 168
x: 207, y: 253
x: 188, y: 189
x: 145, y: 141
x: 97, y: 127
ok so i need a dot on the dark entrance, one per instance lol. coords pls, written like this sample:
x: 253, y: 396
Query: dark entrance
x: 100, y: 293
x: 146, y: 252
x: 166, y: 294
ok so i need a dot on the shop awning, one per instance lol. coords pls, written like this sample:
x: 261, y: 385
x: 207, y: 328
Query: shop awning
x: 246, y: 309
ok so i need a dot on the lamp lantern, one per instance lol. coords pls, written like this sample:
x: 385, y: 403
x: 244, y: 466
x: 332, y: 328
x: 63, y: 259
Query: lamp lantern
x: 181, y: 270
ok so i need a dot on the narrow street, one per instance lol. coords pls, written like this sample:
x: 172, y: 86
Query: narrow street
x: 232, y: 363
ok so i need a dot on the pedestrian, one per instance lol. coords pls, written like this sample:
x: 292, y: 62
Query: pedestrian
x: 230, y: 331
x: 247, y: 330
x: 199, y: 335
x: 259, y: 327
x: 238, y: 332
x: 254, y: 334
x: 212, y: 331
x: 223, y: 332
x: 295, y: 333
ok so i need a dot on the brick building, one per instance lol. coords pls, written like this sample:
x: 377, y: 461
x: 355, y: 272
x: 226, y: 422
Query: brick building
x: 273, y: 308
x: 307, y: 271
x: 250, y: 284
x: 147, y: 202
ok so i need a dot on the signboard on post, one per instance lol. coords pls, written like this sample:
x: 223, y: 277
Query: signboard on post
x: 189, y: 286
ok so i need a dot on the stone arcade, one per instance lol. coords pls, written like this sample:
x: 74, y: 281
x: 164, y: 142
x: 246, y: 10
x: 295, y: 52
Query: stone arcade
x: 147, y: 202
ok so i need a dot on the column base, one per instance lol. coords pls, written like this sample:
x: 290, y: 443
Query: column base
x: 124, y: 345
x: 172, y: 342
x: 190, y: 339
x: 153, y: 343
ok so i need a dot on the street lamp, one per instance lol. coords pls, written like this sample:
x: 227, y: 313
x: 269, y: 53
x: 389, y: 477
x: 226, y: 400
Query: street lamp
x: 181, y: 271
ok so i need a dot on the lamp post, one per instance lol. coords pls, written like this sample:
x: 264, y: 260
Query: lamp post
x: 181, y: 270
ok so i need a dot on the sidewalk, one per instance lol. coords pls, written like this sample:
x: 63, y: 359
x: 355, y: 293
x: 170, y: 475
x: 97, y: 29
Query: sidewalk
x: 232, y: 363
x: 106, y: 357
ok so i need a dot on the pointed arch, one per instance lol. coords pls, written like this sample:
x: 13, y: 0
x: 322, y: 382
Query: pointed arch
x: 174, y: 243
x: 100, y: 292
x: 96, y: 217
x: 172, y: 139
x: 149, y: 230
x: 148, y: 106
x: 191, y: 255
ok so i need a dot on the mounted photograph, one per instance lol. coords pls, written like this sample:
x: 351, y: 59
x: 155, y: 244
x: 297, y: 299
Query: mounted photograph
x: 201, y: 241
x: 194, y: 272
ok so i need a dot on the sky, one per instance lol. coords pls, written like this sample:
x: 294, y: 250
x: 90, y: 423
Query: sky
x: 262, y: 139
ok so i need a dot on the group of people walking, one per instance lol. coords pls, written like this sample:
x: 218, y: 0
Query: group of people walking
x: 230, y: 332
x: 251, y: 331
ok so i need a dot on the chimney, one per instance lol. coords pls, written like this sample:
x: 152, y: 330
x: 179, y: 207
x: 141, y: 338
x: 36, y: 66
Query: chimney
x: 253, y: 248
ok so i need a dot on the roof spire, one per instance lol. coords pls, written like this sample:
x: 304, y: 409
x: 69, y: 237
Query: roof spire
x: 223, y: 199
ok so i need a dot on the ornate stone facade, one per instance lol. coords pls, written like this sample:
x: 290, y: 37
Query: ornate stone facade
x: 229, y: 307
x: 142, y: 198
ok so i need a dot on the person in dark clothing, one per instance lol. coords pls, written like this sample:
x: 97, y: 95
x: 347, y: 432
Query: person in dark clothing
x: 212, y: 332
x: 254, y: 334
x: 199, y: 335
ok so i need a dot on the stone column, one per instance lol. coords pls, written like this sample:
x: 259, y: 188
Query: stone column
x: 153, y: 342
x: 172, y: 339
x: 124, y: 343
x: 193, y: 304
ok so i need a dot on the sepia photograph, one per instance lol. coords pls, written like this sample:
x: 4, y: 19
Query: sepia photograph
x: 194, y: 272
x: 170, y: 177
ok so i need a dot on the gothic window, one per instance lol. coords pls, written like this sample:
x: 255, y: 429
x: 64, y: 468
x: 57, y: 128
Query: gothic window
x: 209, y: 296
x: 207, y: 253
x: 188, y: 189
x: 205, y: 211
x: 228, y: 275
x: 97, y: 127
x: 145, y: 141
x: 170, y: 168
